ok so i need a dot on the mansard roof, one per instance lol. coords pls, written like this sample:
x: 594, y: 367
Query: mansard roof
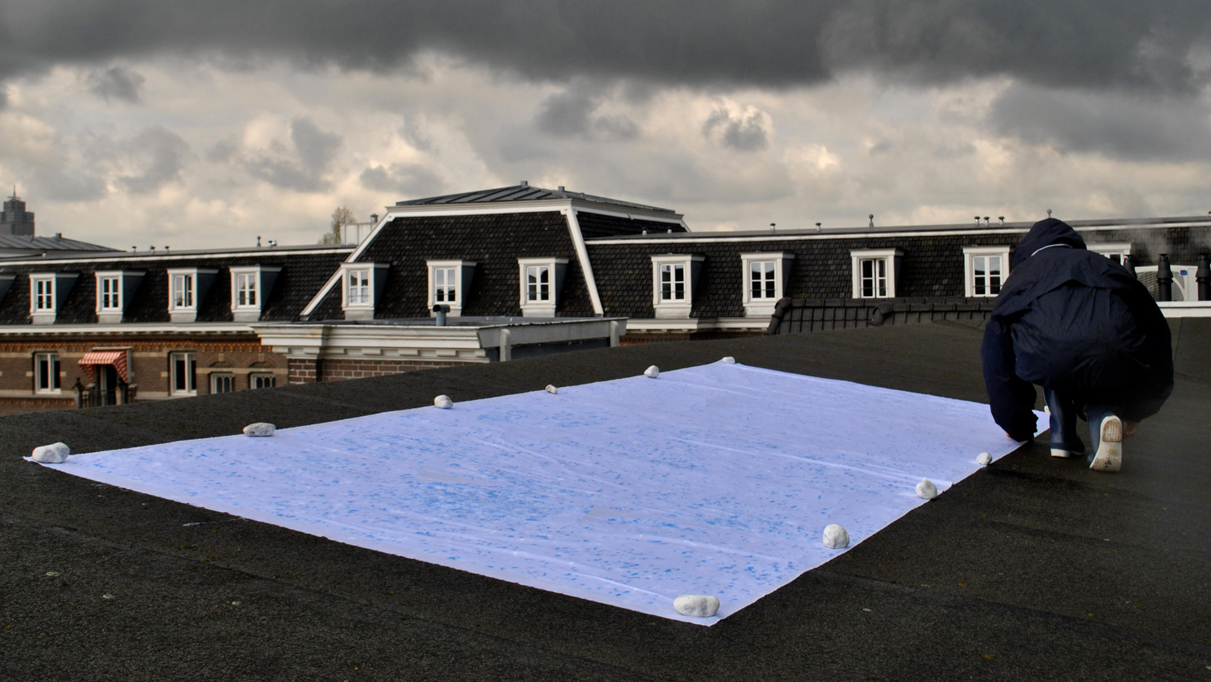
x: 523, y: 192
x: 50, y: 244
x: 304, y: 270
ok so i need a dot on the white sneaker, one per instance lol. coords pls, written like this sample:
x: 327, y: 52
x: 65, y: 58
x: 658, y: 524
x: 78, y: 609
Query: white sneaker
x: 1109, y: 455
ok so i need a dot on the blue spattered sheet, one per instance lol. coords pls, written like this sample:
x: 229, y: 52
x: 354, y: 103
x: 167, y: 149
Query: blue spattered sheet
x: 715, y: 480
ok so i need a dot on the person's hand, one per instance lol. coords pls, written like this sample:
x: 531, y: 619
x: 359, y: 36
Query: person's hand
x: 1129, y: 428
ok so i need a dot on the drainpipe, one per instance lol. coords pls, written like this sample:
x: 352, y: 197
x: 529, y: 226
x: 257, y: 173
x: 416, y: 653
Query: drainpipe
x: 441, y: 311
x: 506, y: 346
x: 1164, y: 279
x: 1203, y: 277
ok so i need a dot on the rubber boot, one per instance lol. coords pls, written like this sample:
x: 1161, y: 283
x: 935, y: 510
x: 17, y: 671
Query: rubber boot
x: 1106, y: 435
x: 1064, y: 439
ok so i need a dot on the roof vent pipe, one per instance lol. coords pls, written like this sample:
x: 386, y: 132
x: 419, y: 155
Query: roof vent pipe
x: 374, y: 219
x: 818, y: 227
x: 645, y: 230
x: 525, y: 183
x: 134, y: 249
x: 1164, y: 279
x: 872, y: 220
x: 441, y: 311
x: 977, y: 221
x: 1203, y: 277
x: 773, y: 227
x: 166, y: 248
x: 258, y: 241
x: 1002, y: 219
x: 987, y: 222
x: 153, y: 248
x: 670, y: 230
x: 1048, y: 213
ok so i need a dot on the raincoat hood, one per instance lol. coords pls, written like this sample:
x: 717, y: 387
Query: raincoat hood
x: 1048, y: 232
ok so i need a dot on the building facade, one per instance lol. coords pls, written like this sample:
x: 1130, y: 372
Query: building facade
x: 497, y: 275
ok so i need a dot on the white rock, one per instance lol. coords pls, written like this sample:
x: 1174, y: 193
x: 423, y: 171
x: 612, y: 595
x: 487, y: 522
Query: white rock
x: 984, y: 458
x: 729, y: 360
x: 652, y: 372
x: 696, y: 605
x: 835, y: 537
x: 927, y: 490
x: 259, y: 429
x: 443, y: 401
x: 55, y: 453
x: 552, y: 389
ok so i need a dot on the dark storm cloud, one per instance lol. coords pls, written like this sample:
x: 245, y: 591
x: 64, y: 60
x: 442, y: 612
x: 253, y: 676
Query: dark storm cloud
x: 303, y: 168
x: 161, y: 155
x: 1116, y: 125
x: 573, y: 113
x: 116, y: 82
x: 1087, y: 43
x: 402, y: 180
x: 744, y: 133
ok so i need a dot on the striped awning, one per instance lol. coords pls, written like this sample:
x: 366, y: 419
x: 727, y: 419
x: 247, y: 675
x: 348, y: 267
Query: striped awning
x: 117, y: 358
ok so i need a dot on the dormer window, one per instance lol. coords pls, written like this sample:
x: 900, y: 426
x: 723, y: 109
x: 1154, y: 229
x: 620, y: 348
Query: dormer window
x: 673, y: 280
x: 541, y: 282
x: 110, y: 291
x: 186, y: 288
x: 114, y: 290
x: 875, y: 272
x: 250, y: 286
x: 44, y: 294
x: 47, y: 291
x: 361, y: 286
x: 765, y: 276
x: 449, y: 282
x: 1117, y: 252
x: 985, y: 268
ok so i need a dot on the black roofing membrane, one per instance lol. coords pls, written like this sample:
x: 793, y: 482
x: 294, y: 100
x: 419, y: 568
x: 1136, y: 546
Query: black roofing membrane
x: 1033, y: 568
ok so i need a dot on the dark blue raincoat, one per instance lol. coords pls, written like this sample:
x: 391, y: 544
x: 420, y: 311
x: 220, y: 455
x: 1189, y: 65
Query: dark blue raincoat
x: 1078, y: 323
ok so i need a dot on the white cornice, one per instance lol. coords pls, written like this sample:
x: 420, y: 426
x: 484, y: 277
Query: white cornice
x: 190, y: 255
x: 722, y: 237
x: 534, y: 206
x: 202, y: 328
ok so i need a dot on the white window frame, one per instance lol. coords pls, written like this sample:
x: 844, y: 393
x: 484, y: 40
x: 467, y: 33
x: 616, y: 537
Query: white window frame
x: 460, y: 268
x: 368, y: 290
x: 109, y: 301
x: 1111, y: 249
x: 540, y: 307
x: 760, y: 306
x: 262, y: 376
x: 890, y: 258
x: 190, y: 361
x: 197, y: 281
x: 261, y: 279
x: 673, y: 306
x: 53, y: 373
x: 970, y: 254
x: 42, y: 289
x: 183, y: 291
x: 216, y: 377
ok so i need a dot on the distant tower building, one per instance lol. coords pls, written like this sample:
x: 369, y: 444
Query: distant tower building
x: 15, y: 219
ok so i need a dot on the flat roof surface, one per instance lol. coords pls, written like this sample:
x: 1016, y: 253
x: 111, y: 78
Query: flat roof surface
x: 1032, y: 568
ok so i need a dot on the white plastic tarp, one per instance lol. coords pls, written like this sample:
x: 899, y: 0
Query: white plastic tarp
x: 715, y: 480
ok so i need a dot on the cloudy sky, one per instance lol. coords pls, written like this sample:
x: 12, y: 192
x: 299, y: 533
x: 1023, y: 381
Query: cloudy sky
x: 198, y: 124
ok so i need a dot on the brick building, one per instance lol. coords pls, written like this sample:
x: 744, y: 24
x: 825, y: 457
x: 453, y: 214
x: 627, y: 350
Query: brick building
x: 497, y: 275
